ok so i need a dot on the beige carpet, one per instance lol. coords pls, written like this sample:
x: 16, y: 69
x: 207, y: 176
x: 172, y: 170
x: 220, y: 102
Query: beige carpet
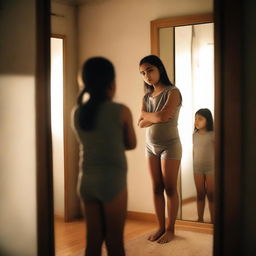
x: 186, y: 243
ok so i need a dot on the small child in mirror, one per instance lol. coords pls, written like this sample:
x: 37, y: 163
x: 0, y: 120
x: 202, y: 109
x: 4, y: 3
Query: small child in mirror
x: 203, y: 161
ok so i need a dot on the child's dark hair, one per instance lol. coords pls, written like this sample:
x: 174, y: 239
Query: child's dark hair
x: 156, y: 61
x: 206, y: 113
x: 98, y: 75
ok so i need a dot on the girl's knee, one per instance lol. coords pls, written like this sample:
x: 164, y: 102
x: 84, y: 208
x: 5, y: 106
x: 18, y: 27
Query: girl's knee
x: 171, y: 191
x: 158, y: 189
x: 201, y: 196
x: 210, y: 197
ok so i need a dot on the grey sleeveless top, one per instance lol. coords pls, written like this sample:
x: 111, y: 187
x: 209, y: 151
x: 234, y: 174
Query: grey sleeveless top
x: 161, y: 133
x: 103, y: 146
x: 203, y: 152
x: 103, y: 166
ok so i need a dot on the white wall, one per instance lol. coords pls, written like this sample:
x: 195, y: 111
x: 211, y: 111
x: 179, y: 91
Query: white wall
x: 120, y: 31
x: 18, y: 235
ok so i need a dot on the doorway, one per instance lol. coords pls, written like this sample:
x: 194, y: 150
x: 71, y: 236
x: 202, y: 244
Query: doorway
x: 65, y: 166
x: 57, y: 84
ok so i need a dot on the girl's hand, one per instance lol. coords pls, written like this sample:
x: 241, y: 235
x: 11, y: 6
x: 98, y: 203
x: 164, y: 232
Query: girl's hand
x: 144, y: 123
x: 139, y: 120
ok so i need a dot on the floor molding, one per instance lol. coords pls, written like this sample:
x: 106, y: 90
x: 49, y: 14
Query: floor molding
x: 189, y: 200
x: 194, y: 226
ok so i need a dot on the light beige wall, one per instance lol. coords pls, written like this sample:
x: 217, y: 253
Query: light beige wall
x: 18, y: 235
x: 65, y: 23
x: 120, y: 31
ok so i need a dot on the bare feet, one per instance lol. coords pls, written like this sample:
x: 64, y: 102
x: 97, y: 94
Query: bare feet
x: 166, y: 237
x: 156, y: 235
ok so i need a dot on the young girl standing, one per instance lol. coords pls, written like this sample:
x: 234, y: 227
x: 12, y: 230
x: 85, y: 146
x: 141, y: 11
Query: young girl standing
x: 203, y: 161
x: 105, y: 130
x: 159, y: 114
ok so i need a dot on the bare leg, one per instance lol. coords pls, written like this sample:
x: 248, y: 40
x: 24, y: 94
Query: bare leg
x: 201, y: 192
x: 95, y: 227
x: 115, y: 215
x: 158, y: 194
x: 170, y: 169
x: 210, y: 194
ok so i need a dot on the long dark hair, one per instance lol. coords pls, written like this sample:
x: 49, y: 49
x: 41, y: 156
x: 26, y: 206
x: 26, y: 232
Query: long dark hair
x: 98, y: 75
x: 156, y: 61
x: 206, y: 113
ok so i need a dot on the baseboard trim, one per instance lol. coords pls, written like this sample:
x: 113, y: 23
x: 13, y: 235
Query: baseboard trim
x: 194, y: 226
x: 141, y: 216
x: 189, y: 200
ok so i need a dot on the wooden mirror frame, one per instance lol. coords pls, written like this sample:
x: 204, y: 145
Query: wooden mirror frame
x: 155, y: 26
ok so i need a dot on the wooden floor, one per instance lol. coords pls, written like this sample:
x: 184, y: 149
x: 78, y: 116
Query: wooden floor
x: 70, y: 237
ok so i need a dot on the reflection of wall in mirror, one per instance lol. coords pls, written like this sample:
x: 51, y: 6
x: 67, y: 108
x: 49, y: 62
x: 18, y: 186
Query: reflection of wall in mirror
x: 194, y: 75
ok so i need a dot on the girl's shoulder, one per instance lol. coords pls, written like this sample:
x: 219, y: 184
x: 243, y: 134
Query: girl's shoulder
x: 122, y: 111
x: 74, y: 118
x: 116, y: 104
x: 118, y: 107
x: 74, y: 111
x: 208, y: 135
x: 171, y: 88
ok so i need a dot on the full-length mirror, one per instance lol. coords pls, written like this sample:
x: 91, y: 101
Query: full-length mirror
x: 186, y: 46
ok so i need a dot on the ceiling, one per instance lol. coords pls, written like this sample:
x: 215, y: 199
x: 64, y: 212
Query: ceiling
x: 72, y: 2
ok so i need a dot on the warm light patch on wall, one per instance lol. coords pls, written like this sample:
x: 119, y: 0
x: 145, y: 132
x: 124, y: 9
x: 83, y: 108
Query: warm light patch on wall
x: 204, y: 78
x: 57, y: 86
x: 57, y: 123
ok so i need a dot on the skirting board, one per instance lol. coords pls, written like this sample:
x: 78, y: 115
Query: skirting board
x: 180, y: 224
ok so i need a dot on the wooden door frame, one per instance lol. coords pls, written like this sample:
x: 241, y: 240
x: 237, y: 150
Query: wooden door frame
x: 44, y: 178
x: 228, y: 123
x: 228, y: 104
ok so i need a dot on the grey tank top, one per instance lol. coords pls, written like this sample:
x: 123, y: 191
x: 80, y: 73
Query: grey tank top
x: 203, y: 151
x: 103, y: 148
x: 161, y: 133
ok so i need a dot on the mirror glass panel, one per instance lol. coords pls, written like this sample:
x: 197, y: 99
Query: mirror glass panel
x: 187, y: 52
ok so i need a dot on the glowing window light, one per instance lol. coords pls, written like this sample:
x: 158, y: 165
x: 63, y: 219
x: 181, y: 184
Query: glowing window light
x: 57, y: 123
x: 57, y: 87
